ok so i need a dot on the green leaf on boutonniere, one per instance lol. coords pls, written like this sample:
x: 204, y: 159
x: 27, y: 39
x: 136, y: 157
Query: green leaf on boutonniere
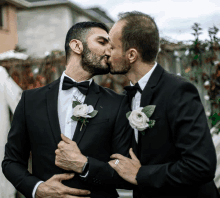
x: 128, y: 114
x: 83, y: 120
x: 151, y: 123
x: 75, y: 118
x: 75, y: 103
x: 149, y: 110
x: 93, y: 114
x: 142, y: 132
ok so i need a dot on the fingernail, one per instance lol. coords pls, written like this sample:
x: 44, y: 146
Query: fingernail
x: 89, y: 192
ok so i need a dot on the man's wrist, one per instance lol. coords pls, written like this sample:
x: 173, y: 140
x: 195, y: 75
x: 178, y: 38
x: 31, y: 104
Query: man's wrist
x: 136, y: 183
x: 85, y: 167
x: 35, y: 189
x: 136, y: 177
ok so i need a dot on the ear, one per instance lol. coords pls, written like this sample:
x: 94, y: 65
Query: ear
x: 132, y: 55
x: 76, y: 46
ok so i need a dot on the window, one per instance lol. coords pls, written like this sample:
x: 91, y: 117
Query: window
x: 1, y: 17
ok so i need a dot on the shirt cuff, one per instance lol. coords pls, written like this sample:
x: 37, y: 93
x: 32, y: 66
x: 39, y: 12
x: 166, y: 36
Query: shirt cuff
x: 35, y: 188
x: 85, y: 175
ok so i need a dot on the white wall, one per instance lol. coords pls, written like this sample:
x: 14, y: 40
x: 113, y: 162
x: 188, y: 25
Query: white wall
x: 44, y: 29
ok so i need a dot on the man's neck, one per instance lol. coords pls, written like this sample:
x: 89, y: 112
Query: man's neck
x: 138, y: 71
x: 76, y: 72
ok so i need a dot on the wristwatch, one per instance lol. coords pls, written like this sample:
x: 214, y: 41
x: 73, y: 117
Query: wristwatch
x: 85, y: 167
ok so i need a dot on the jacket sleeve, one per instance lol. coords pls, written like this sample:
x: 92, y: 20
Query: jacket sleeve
x: 17, y: 151
x: 196, y: 163
x: 101, y: 173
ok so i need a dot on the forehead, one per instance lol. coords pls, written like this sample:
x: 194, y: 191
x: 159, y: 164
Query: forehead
x: 97, y: 33
x: 116, y: 31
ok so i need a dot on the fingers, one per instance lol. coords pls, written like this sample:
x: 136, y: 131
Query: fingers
x: 57, y: 151
x: 66, y: 139
x: 117, y: 156
x: 75, y: 191
x: 133, y: 156
x: 113, y: 165
x: 57, y: 163
x: 61, y: 144
x: 70, y: 196
x: 65, y: 176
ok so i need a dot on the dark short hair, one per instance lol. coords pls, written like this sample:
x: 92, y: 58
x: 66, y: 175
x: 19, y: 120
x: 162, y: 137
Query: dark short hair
x: 140, y: 31
x: 79, y: 31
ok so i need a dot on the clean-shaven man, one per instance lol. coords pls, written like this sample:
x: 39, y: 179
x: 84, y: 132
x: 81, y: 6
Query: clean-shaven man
x: 176, y: 157
x: 52, y: 123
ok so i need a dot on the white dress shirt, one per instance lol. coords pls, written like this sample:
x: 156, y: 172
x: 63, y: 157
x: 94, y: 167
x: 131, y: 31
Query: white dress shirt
x: 65, y: 109
x: 136, y: 100
x: 65, y: 112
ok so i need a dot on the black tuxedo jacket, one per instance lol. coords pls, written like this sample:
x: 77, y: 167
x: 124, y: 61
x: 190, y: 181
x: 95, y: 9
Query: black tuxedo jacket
x: 35, y: 128
x: 177, y: 155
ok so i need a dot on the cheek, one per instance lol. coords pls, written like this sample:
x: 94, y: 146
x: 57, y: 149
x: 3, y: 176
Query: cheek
x: 116, y: 57
x: 97, y: 49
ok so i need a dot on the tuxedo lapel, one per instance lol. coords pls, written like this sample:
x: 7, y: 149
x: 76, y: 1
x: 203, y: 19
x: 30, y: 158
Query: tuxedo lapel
x: 91, y: 99
x: 52, y: 103
x: 148, y: 90
x: 147, y: 95
x: 134, y: 145
x: 145, y: 100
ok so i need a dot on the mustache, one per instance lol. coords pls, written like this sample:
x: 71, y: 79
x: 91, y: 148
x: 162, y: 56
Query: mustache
x: 105, y: 56
x: 107, y: 59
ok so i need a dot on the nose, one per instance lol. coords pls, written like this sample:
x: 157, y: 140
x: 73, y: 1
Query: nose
x: 108, y: 50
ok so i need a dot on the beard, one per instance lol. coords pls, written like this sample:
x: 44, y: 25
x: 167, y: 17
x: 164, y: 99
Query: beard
x: 92, y: 63
x: 121, y: 67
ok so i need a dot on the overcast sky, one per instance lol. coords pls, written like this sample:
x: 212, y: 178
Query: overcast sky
x: 173, y: 17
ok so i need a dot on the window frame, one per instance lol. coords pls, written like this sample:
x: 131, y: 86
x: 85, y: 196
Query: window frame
x: 4, y: 18
x: 1, y: 17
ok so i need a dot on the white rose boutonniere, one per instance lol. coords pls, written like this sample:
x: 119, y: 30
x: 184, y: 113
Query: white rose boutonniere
x: 139, y: 118
x: 82, y: 112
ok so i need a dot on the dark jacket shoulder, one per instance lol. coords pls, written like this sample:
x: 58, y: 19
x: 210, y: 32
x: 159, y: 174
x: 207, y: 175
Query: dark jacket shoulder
x: 174, y: 82
x: 111, y: 93
x: 42, y: 90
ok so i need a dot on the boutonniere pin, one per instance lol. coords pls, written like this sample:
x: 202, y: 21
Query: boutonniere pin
x: 82, y: 112
x: 139, y: 118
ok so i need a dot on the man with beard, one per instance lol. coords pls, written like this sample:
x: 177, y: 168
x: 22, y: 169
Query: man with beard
x: 71, y: 126
x: 175, y: 156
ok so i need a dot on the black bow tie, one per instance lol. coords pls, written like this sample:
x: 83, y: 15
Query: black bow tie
x: 68, y: 83
x: 132, y: 90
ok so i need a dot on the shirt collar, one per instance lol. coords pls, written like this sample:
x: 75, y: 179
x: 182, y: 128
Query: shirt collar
x: 143, y: 81
x: 64, y: 74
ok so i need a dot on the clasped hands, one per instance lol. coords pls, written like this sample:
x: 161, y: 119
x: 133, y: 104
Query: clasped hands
x: 68, y: 157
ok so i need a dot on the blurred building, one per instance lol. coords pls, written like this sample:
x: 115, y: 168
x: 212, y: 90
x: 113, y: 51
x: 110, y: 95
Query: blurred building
x: 8, y: 23
x: 43, y: 24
